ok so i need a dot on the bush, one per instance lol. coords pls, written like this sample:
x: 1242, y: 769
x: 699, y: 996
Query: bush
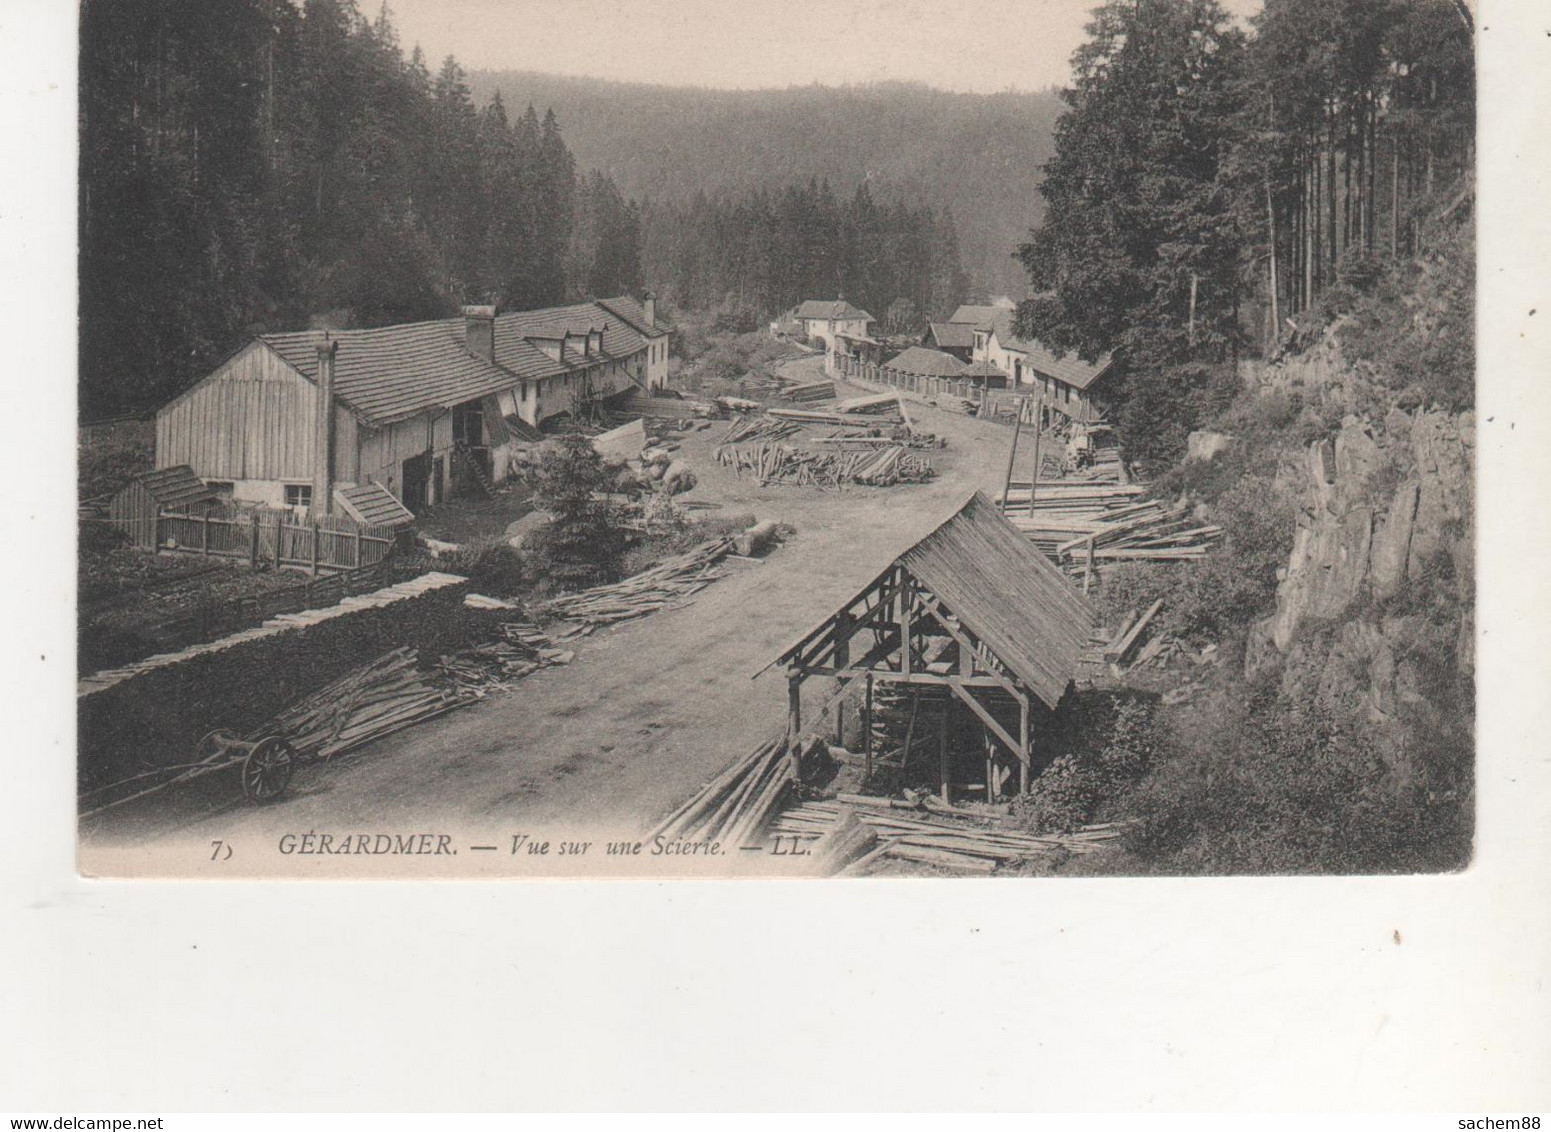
x: 496, y: 569
x: 1112, y: 747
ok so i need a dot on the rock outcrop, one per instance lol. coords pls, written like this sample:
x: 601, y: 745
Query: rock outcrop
x: 1381, y: 501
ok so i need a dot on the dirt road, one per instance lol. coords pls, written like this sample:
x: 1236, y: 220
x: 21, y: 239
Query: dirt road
x: 647, y: 711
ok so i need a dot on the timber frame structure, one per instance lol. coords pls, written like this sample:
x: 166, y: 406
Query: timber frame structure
x: 973, y: 613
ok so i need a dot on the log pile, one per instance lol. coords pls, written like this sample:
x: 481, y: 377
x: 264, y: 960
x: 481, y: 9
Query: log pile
x: 666, y: 585
x: 874, y: 466
x: 824, y: 416
x: 735, y: 806
x: 759, y: 428
x: 385, y: 696
x: 947, y: 840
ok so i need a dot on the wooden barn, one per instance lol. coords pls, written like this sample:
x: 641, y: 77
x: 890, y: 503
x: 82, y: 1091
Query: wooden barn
x: 975, y: 626
x: 420, y: 410
x: 135, y: 508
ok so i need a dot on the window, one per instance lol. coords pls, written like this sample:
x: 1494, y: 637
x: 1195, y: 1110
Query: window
x: 298, y: 495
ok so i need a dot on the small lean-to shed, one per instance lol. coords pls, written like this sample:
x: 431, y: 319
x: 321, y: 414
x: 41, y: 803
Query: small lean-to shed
x: 135, y: 508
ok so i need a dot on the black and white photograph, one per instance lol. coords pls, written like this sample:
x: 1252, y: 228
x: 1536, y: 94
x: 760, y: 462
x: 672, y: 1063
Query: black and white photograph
x: 1059, y: 465
x: 816, y: 556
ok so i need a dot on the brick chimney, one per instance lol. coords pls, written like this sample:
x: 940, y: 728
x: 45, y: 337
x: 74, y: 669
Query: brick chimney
x: 649, y: 305
x: 479, y: 331
x: 323, y: 435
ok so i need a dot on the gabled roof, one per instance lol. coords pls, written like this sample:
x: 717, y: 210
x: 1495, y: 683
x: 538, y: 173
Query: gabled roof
x: 389, y: 373
x: 979, y: 317
x: 176, y: 486
x: 1006, y: 592
x: 373, y: 505
x: 1002, y: 589
x: 985, y: 368
x: 952, y: 335
x: 392, y: 372
x: 827, y: 309
x: 634, y: 313
x: 1068, y: 368
x: 927, y: 363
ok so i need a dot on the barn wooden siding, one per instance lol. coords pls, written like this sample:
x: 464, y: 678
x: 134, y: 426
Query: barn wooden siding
x: 252, y: 419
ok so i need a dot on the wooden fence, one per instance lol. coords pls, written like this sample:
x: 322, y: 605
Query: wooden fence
x: 1002, y: 405
x: 328, y: 542
x: 917, y: 383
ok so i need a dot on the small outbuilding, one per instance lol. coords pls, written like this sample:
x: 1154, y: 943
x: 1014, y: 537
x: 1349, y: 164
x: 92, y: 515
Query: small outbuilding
x: 973, y: 618
x: 135, y: 508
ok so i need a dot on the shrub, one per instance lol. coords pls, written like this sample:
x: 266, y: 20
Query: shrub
x: 581, y: 547
x: 1112, y: 746
x: 496, y: 569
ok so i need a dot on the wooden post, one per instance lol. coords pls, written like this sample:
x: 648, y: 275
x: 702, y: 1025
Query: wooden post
x: 990, y: 765
x: 904, y: 624
x: 279, y: 536
x: 317, y: 540
x: 1039, y: 431
x: 867, y: 735
x: 794, y: 724
x: 1026, y: 756
x: 1012, y: 452
x: 910, y: 730
x: 355, y: 558
x: 942, y: 749
x: 1087, y: 574
x: 840, y: 725
x: 253, y: 547
x: 1191, y: 333
x: 204, y: 534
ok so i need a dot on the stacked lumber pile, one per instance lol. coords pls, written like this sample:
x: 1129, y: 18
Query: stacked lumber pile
x: 1068, y: 519
x: 662, y: 408
x: 523, y: 649
x: 811, y: 391
x: 663, y: 586
x: 875, y: 466
x: 759, y: 428
x: 823, y: 416
x: 385, y: 696
x: 1123, y: 652
x: 871, y: 403
x: 735, y: 806
x: 947, y: 837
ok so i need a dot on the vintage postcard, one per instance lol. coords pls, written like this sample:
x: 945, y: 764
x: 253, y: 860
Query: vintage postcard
x: 499, y: 459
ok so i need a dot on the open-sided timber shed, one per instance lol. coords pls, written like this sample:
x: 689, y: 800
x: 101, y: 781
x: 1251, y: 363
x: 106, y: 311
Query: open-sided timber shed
x: 974, y: 611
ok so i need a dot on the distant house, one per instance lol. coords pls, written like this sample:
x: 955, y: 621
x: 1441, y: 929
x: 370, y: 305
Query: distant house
x: 415, y: 408
x: 926, y: 363
x: 954, y: 338
x: 1066, y: 383
x: 821, y: 320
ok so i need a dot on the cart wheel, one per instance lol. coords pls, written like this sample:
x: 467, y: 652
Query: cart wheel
x: 213, y: 744
x: 267, y: 770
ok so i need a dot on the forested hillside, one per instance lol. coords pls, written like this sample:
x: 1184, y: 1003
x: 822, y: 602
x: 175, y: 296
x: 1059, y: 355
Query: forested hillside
x: 975, y: 156
x: 1275, y: 227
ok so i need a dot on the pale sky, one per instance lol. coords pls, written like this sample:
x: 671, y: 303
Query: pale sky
x: 964, y: 45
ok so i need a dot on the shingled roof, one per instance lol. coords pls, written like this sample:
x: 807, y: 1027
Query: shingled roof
x: 927, y: 363
x: 1068, y: 368
x: 374, y: 505
x: 830, y: 309
x: 953, y: 335
x: 1001, y: 588
x: 634, y: 313
x: 176, y: 486
x: 390, y: 373
x: 1006, y: 592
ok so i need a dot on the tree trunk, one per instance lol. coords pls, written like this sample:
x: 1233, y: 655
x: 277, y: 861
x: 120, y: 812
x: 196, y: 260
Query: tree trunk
x: 1276, y: 318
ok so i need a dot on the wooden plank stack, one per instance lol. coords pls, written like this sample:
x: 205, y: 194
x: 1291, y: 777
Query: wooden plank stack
x: 736, y: 805
x: 1067, y: 519
x: 663, y: 586
x: 947, y: 840
x: 385, y: 696
x: 811, y: 391
x: 523, y: 649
